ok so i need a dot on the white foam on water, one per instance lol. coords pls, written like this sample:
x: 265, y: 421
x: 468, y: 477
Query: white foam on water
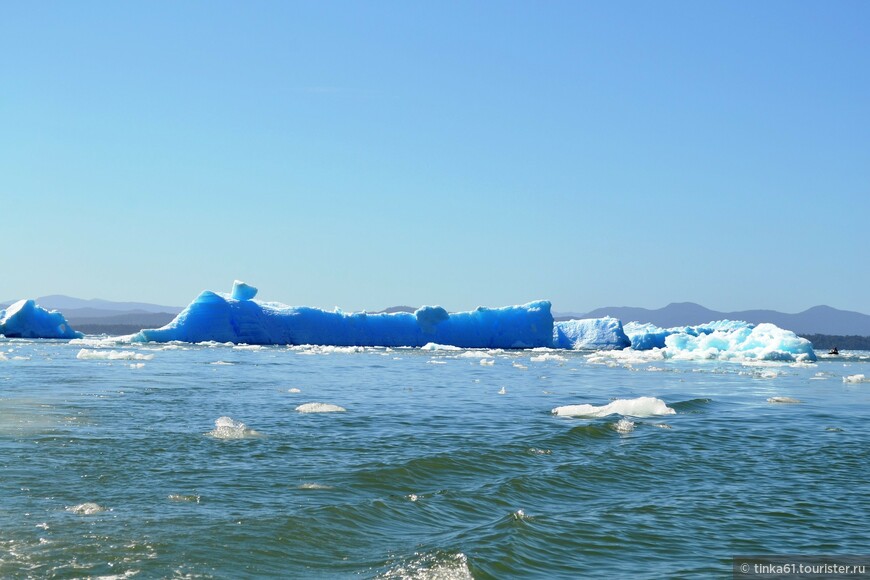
x: 855, y: 379
x: 548, y: 356
x: 517, y: 365
x: 436, y: 362
x: 432, y: 567
x: 221, y: 362
x: 436, y: 346
x: 639, y: 407
x: 85, y: 354
x: 294, y: 390
x: 536, y: 451
x: 320, y: 408
x: 624, y: 426
x: 228, y: 428
x: 787, y: 400
x: 85, y: 509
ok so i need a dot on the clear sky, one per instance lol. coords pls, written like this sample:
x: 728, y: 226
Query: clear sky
x: 368, y: 154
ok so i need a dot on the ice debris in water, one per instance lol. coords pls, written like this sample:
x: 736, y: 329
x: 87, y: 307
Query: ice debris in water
x: 228, y: 428
x: 855, y: 379
x: 27, y: 319
x: 294, y: 390
x: 182, y: 497
x: 320, y: 408
x: 624, y: 426
x: 783, y: 400
x: 86, y: 509
x: 85, y: 354
x: 435, y: 566
x: 639, y: 407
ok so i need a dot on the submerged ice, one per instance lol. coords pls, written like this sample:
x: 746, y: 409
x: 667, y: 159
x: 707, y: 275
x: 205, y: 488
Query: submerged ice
x: 27, y: 319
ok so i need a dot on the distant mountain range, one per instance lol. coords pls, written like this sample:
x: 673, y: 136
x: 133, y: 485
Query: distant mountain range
x: 96, y: 316
x: 816, y: 320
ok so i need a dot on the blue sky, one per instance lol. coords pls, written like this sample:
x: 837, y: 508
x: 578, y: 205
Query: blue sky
x: 488, y: 153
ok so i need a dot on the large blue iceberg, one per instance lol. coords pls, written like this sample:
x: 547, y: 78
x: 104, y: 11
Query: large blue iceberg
x: 238, y: 318
x: 26, y: 319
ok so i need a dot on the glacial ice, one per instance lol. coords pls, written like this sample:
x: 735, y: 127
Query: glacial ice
x: 595, y: 333
x: 722, y: 340
x: 26, y: 319
x: 238, y: 318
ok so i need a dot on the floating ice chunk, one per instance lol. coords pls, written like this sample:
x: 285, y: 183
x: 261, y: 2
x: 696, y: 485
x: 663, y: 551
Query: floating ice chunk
x: 85, y: 354
x: 487, y: 361
x: 639, y: 407
x: 228, y: 428
x: 26, y: 319
x: 86, y: 509
x: 855, y: 379
x: 624, y: 426
x: 594, y: 333
x: 502, y: 391
x: 436, y: 346
x: 181, y: 497
x: 320, y: 408
x: 313, y: 485
x: 242, y: 291
x: 221, y: 317
x: 294, y: 390
x: 548, y: 356
x: 786, y: 400
x: 722, y: 340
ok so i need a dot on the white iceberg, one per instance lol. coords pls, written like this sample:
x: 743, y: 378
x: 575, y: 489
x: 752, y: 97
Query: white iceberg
x: 26, y: 319
x: 594, y: 333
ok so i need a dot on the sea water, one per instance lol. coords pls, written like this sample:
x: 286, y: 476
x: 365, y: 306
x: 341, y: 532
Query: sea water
x: 315, y: 462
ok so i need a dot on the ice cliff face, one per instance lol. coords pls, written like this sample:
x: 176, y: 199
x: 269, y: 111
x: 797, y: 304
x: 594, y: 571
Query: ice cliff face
x: 26, y: 319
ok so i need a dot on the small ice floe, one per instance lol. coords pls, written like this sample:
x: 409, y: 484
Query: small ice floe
x: 502, y: 391
x: 436, y: 362
x: 221, y: 363
x: 137, y: 365
x: 548, y: 356
x: 834, y: 429
x: 294, y: 390
x: 313, y: 486
x: 248, y: 347
x: 85, y: 354
x: 85, y: 509
x: 519, y: 515
x: 517, y: 365
x: 785, y: 400
x: 662, y: 426
x: 412, y: 497
x: 623, y: 426
x: 639, y: 407
x: 436, y: 346
x: 433, y: 566
x: 855, y: 379
x: 320, y: 408
x: 536, y: 451
x: 487, y: 361
x: 228, y: 428
x: 184, y: 498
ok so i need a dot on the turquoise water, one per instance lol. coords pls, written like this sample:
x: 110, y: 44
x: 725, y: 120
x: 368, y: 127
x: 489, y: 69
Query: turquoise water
x: 440, y: 467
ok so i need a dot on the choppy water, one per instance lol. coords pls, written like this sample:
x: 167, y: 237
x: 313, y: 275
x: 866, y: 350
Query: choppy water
x: 201, y: 461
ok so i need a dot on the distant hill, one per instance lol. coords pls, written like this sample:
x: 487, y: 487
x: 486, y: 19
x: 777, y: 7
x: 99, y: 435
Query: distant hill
x: 68, y: 303
x: 816, y: 320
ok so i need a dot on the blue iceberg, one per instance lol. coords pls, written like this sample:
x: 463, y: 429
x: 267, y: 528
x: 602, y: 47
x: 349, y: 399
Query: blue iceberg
x: 26, y: 319
x: 239, y: 318
x: 594, y: 333
x: 722, y: 340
